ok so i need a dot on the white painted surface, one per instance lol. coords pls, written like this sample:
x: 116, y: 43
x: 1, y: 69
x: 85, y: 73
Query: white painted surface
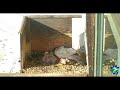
x: 78, y: 29
x: 10, y: 25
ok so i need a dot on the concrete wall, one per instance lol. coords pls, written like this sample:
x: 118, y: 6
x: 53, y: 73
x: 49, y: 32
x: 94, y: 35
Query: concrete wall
x: 10, y: 25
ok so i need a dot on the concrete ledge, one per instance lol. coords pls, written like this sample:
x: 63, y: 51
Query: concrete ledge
x: 41, y: 75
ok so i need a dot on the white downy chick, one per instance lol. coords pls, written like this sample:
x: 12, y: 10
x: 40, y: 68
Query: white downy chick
x: 52, y: 58
x: 63, y: 61
x: 45, y: 58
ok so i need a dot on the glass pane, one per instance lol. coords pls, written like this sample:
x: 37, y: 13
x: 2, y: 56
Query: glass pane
x: 109, y: 47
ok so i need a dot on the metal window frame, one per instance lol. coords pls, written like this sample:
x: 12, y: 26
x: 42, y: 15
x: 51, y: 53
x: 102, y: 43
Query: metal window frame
x: 99, y: 30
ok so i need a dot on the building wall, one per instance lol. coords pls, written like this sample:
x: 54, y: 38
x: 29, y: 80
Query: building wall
x: 10, y: 25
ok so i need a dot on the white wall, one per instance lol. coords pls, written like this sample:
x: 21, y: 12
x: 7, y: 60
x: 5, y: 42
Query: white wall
x: 10, y: 25
x: 78, y: 29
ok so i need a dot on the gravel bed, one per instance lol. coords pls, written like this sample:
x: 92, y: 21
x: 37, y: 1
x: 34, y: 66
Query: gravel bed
x: 37, y: 68
x: 66, y: 70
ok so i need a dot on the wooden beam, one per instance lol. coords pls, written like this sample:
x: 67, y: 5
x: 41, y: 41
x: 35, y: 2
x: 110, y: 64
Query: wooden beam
x: 90, y: 30
x: 53, y: 16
